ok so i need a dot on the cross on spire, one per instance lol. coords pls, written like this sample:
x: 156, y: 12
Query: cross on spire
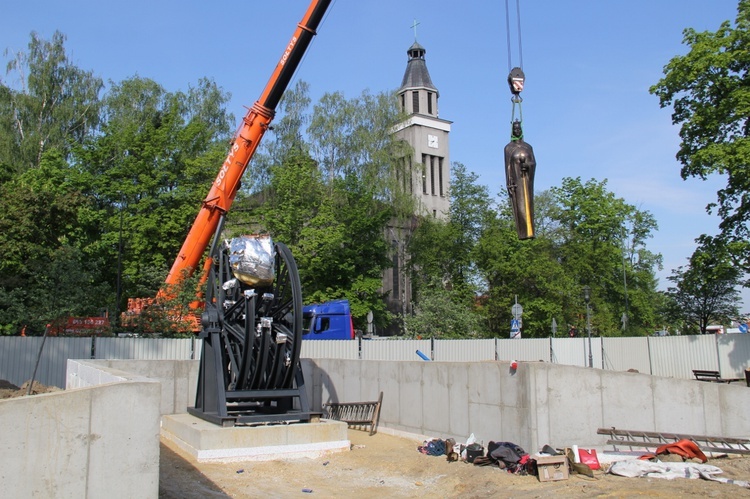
x: 414, y: 26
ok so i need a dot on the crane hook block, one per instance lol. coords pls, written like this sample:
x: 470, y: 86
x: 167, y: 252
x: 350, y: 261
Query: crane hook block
x: 516, y: 79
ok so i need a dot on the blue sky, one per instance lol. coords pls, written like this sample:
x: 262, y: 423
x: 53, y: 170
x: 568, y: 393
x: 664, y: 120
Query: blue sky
x: 588, y: 63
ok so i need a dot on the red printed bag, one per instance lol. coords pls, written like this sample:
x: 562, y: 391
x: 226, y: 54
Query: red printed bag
x: 588, y: 457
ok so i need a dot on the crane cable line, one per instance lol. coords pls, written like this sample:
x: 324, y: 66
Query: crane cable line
x: 516, y: 77
x: 507, y: 30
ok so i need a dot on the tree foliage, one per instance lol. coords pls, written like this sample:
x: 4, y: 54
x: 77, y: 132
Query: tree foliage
x: 330, y: 199
x: 54, y: 104
x: 82, y: 173
x: 149, y: 167
x: 585, y: 236
x: 98, y: 191
x: 709, y: 91
x: 704, y: 291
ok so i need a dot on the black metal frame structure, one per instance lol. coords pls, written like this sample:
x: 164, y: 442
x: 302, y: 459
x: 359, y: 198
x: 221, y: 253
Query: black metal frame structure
x: 249, y: 368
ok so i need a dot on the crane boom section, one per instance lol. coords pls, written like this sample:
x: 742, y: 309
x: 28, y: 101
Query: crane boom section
x: 243, y: 146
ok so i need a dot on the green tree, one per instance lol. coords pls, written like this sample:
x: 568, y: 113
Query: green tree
x: 53, y: 105
x: 437, y: 314
x: 286, y: 136
x: 442, y: 255
x: 527, y: 270
x: 594, y: 225
x: 704, y: 291
x: 353, y: 139
x: 444, y: 249
x: 709, y: 91
x: 44, y: 275
x: 331, y: 202
x: 295, y: 196
x: 469, y: 213
x: 151, y: 164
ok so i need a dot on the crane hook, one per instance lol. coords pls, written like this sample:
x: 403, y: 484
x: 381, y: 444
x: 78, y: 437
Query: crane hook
x: 516, y: 79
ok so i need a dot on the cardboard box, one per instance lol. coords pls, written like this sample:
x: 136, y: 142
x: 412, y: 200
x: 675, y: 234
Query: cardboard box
x: 551, y: 468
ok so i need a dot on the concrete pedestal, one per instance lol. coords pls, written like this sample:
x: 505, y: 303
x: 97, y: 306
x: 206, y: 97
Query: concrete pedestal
x: 208, y: 442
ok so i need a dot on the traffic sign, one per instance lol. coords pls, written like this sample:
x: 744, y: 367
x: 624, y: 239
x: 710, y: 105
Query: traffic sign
x: 516, y: 310
x: 743, y: 328
x: 515, y: 328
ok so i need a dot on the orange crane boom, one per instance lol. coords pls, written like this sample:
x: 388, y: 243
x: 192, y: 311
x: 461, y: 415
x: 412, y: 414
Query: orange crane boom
x: 243, y: 146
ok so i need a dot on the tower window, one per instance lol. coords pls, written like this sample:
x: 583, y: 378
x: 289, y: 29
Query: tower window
x: 411, y: 177
x: 424, y: 174
x: 432, y: 175
x: 403, y: 103
x: 440, y: 176
x: 429, y: 102
x: 415, y: 102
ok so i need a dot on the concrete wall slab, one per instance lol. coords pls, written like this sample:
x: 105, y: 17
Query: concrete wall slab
x: 679, y: 405
x: 124, y: 439
x: 100, y: 441
x: 458, y: 400
x: 627, y: 400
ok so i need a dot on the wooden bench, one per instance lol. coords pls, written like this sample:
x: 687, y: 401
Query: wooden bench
x: 712, y: 376
x: 356, y: 413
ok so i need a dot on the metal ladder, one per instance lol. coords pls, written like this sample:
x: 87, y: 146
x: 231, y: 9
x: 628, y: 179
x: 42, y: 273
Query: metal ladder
x: 652, y: 439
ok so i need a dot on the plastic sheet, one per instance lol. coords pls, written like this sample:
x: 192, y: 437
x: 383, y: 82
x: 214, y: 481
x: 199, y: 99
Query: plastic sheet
x: 251, y: 259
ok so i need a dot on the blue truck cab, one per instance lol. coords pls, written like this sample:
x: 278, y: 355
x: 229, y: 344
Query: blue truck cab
x: 328, y: 321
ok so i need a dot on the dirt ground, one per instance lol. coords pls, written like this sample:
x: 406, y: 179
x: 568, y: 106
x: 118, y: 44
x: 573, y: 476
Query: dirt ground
x: 9, y: 390
x: 384, y: 465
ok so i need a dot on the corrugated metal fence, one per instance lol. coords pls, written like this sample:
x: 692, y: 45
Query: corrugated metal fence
x: 674, y: 356
x: 19, y: 355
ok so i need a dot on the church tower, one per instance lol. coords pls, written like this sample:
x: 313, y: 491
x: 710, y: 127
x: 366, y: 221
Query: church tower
x: 425, y: 174
x: 429, y: 167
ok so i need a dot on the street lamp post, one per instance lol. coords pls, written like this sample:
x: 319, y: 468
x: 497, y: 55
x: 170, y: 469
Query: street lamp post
x: 587, y: 299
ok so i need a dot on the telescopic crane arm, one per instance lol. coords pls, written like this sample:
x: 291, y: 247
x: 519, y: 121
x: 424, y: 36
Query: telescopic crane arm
x: 243, y: 147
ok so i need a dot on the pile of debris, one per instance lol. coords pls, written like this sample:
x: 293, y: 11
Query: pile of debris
x: 679, y: 459
x: 9, y: 390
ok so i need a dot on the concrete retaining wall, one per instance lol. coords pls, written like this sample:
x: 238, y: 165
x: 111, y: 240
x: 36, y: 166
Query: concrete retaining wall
x: 178, y: 378
x: 103, y: 440
x: 100, y: 441
x: 539, y: 403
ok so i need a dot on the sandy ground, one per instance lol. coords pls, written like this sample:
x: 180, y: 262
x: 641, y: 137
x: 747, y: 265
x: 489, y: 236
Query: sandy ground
x: 384, y: 466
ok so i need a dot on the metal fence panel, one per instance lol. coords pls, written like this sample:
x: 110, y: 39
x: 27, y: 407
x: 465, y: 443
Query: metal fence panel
x: 395, y: 349
x: 677, y: 356
x: 464, y: 350
x: 330, y: 349
x: 569, y: 351
x: 674, y: 356
x: 18, y: 357
x: 734, y: 354
x: 621, y: 354
x: 144, y: 348
x: 527, y: 349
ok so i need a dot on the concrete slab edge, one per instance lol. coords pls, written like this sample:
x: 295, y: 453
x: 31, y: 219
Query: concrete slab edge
x: 264, y: 453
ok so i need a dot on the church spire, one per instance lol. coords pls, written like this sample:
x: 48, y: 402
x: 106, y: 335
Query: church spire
x: 417, y: 93
x: 416, y: 75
